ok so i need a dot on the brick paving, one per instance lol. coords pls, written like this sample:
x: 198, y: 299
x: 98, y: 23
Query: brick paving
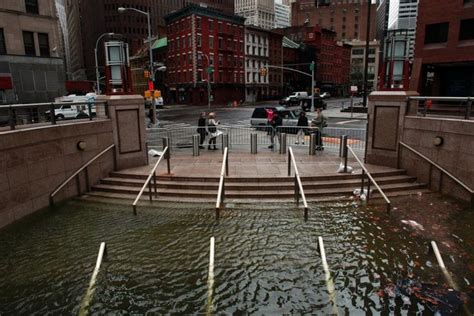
x: 264, y: 164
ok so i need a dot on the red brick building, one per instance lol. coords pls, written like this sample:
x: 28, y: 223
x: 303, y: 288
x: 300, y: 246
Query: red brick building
x: 275, y: 76
x: 444, y: 48
x: 200, y: 37
x: 347, y: 18
x: 332, y: 58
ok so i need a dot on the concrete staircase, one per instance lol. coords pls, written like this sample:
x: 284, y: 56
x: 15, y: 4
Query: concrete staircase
x: 332, y: 188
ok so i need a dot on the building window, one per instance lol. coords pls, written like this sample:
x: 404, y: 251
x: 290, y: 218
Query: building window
x: 466, y: 30
x: 198, y: 23
x: 358, y: 51
x: 199, y: 41
x: 436, y: 33
x: 3, y: 46
x: 29, y: 42
x: 31, y: 6
x: 211, y: 42
x: 211, y: 25
x: 43, y: 40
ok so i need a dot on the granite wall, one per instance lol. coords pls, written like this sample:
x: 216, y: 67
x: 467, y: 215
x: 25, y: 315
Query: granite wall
x: 33, y: 162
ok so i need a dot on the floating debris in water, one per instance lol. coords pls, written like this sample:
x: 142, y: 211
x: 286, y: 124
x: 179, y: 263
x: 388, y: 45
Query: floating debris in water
x: 413, y: 224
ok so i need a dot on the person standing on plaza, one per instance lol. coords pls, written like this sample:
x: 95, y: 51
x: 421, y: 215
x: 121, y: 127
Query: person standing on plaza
x: 320, y: 123
x: 302, y: 122
x: 212, y: 129
x: 275, y: 123
x: 202, y: 129
x: 269, y: 120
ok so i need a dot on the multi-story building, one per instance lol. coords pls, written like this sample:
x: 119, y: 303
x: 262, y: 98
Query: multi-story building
x: 200, y: 40
x: 282, y: 15
x: 358, y: 64
x: 260, y: 13
x: 256, y: 58
x: 444, y: 50
x: 402, y: 16
x: 291, y: 58
x: 275, y: 75
x: 331, y: 57
x: 348, y: 19
x: 31, y: 64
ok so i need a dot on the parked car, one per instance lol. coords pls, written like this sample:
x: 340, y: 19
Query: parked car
x: 289, y: 117
x: 318, y: 103
x: 294, y: 99
x: 67, y: 111
x: 325, y: 95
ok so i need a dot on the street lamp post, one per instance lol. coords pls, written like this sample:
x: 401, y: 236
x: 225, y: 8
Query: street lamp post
x: 208, y: 82
x: 152, y: 73
x: 97, y: 63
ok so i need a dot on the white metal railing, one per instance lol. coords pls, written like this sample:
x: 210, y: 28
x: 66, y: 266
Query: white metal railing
x: 151, y: 175
x: 371, y: 180
x: 76, y: 175
x: 298, y: 185
x: 441, y: 169
x: 221, y: 190
x: 90, y: 290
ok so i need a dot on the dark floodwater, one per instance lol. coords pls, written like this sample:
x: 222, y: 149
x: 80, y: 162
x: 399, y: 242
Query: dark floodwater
x: 266, y: 261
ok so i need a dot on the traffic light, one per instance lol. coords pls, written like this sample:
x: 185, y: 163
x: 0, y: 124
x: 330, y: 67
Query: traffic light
x: 263, y: 71
x: 146, y: 74
x: 311, y: 66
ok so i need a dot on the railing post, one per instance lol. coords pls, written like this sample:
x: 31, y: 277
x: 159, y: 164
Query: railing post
x: 149, y: 191
x: 227, y: 163
x: 253, y: 143
x: 196, y: 138
x: 225, y: 142
x: 297, y: 191
x: 368, y: 189
x: 362, y: 184
x: 52, y: 111
x: 88, y: 186
x: 312, y: 144
x: 11, y: 117
x: 343, y: 150
x: 223, y: 191
x: 89, y: 109
x: 468, y: 109
x: 282, y: 143
x: 154, y: 180
x: 147, y: 155
x: 345, y: 159
x: 289, y: 163
x: 166, y: 143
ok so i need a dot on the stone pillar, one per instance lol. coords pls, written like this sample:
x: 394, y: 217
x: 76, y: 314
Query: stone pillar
x: 127, y: 113
x: 387, y: 110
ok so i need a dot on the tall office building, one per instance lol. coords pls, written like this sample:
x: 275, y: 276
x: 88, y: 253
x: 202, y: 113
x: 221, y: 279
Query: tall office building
x: 260, y: 13
x: 347, y: 18
x: 31, y: 61
x: 282, y: 15
x: 402, y: 15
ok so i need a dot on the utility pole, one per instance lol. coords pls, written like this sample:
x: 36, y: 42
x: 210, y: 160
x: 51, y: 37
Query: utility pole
x: 366, y: 64
x: 312, y: 86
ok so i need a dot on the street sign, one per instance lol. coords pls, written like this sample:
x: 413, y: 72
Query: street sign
x: 311, y: 66
x: 210, y: 70
x: 354, y: 89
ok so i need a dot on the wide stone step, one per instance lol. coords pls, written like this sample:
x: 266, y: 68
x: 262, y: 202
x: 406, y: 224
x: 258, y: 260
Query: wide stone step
x: 256, y: 185
x: 276, y: 193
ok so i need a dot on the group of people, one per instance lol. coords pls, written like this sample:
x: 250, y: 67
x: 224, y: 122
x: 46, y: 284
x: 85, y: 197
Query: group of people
x: 207, y: 126
x: 318, y: 124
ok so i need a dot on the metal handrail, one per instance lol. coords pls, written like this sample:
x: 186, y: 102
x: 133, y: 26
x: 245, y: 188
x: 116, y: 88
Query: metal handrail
x: 75, y: 174
x: 444, y: 171
x: 90, y: 290
x: 152, y: 173
x: 298, y: 184
x: 224, y: 173
x: 365, y: 171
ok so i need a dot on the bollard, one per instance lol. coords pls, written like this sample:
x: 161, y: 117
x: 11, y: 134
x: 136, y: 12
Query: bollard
x: 282, y: 143
x: 196, y: 138
x: 225, y: 142
x: 166, y: 143
x: 343, y: 146
x: 253, y: 143
x: 312, y: 144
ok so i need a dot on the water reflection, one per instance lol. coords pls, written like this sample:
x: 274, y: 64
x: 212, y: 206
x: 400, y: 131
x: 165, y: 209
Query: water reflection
x: 266, y: 261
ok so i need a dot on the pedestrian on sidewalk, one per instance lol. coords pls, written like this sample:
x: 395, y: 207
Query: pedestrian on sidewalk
x: 212, y: 129
x: 320, y: 122
x: 269, y: 120
x: 275, y: 124
x: 202, y: 129
x: 302, y: 122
